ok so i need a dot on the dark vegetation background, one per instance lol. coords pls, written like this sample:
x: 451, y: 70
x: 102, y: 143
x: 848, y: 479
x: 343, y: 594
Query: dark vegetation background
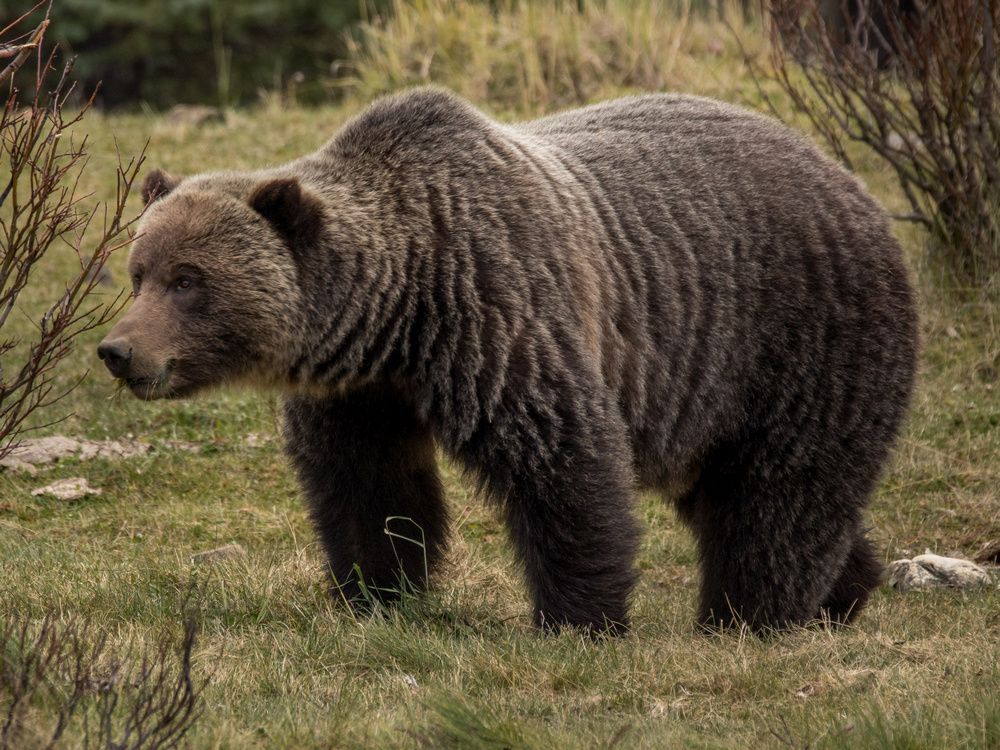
x: 158, y: 53
x: 220, y: 52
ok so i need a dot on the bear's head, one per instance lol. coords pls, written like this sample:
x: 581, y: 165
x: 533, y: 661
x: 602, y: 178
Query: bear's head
x: 215, y: 282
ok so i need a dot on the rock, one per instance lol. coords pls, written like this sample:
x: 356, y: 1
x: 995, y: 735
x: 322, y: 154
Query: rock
x: 194, y: 115
x: 808, y: 690
x: 219, y: 554
x: 40, y: 451
x: 44, y: 450
x: 112, y: 449
x: 68, y: 489
x: 933, y: 571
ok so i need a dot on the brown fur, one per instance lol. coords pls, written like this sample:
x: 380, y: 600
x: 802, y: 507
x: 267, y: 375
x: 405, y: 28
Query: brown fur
x: 660, y: 291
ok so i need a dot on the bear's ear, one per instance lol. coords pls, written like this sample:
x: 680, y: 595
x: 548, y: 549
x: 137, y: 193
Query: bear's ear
x: 157, y: 184
x: 292, y: 211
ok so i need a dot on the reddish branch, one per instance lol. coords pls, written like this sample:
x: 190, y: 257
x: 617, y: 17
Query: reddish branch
x: 40, y: 206
x: 917, y: 83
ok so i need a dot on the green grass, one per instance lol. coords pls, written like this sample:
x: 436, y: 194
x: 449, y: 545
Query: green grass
x: 462, y: 667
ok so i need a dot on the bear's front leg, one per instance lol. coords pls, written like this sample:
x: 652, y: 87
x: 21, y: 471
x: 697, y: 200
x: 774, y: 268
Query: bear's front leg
x: 366, y: 464
x: 567, y: 492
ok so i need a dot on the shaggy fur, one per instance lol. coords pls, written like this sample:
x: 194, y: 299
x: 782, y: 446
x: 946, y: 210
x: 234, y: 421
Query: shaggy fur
x: 662, y: 292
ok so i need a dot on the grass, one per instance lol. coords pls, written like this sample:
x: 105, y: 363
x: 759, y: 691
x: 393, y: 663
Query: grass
x: 462, y: 667
x: 533, y: 57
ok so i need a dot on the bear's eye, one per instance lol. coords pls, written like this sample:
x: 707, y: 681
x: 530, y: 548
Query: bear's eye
x: 136, y: 283
x: 183, y: 283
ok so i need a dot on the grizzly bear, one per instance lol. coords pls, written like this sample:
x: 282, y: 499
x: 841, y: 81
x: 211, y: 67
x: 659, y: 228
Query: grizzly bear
x: 660, y: 292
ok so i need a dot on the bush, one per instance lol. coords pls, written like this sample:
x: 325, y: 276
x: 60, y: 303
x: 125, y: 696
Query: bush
x: 919, y: 84
x: 40, y: 207
x: 61, y: 681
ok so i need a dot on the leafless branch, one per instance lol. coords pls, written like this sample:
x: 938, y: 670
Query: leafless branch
x: 917, y: 83
x: 41, y: 205
x: 62, y: 677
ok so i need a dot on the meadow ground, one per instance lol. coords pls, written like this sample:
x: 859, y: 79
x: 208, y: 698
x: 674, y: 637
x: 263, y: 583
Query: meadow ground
x: 462, y: 666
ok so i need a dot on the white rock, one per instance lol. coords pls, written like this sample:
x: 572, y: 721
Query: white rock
x: 68, y: 489
x: 112, y: 449
x: 46, y: 450
x: 40, y: 451
x: 954, y: 570
x: 933, y: 571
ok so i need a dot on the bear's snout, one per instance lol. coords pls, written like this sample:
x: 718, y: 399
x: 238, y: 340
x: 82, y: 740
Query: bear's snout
x: 116, y: 355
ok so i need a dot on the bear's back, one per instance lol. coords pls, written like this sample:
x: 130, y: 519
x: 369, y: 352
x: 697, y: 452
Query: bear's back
x: 708, y: 253
x: 745, y: 256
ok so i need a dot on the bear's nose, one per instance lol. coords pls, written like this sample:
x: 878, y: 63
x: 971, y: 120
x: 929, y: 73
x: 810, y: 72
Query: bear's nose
x: 116, y: 355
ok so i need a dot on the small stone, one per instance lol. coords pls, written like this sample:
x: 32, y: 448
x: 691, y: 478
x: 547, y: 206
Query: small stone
x: 219, y: 554
x: 662, y: 708
x: 933, y: 571
x: 67, y: 489
x: 951, y: 332
x: 807, y: 690
x: 410, y: 681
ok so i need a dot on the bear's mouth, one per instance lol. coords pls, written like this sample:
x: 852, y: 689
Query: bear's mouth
x: 152, y: 388
x: 147, y: 389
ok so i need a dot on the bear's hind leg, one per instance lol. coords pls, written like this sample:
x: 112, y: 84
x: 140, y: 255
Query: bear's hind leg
x: 368, y: 470
x: 860, y: 575
x: 773, y: 545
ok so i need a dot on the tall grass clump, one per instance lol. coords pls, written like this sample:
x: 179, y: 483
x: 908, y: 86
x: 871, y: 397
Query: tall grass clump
x: 533, y: 57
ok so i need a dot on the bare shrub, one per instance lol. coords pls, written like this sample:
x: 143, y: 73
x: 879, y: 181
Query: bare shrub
x: 917, y: 82
x: 60, y: 682
x: 41, y: 207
